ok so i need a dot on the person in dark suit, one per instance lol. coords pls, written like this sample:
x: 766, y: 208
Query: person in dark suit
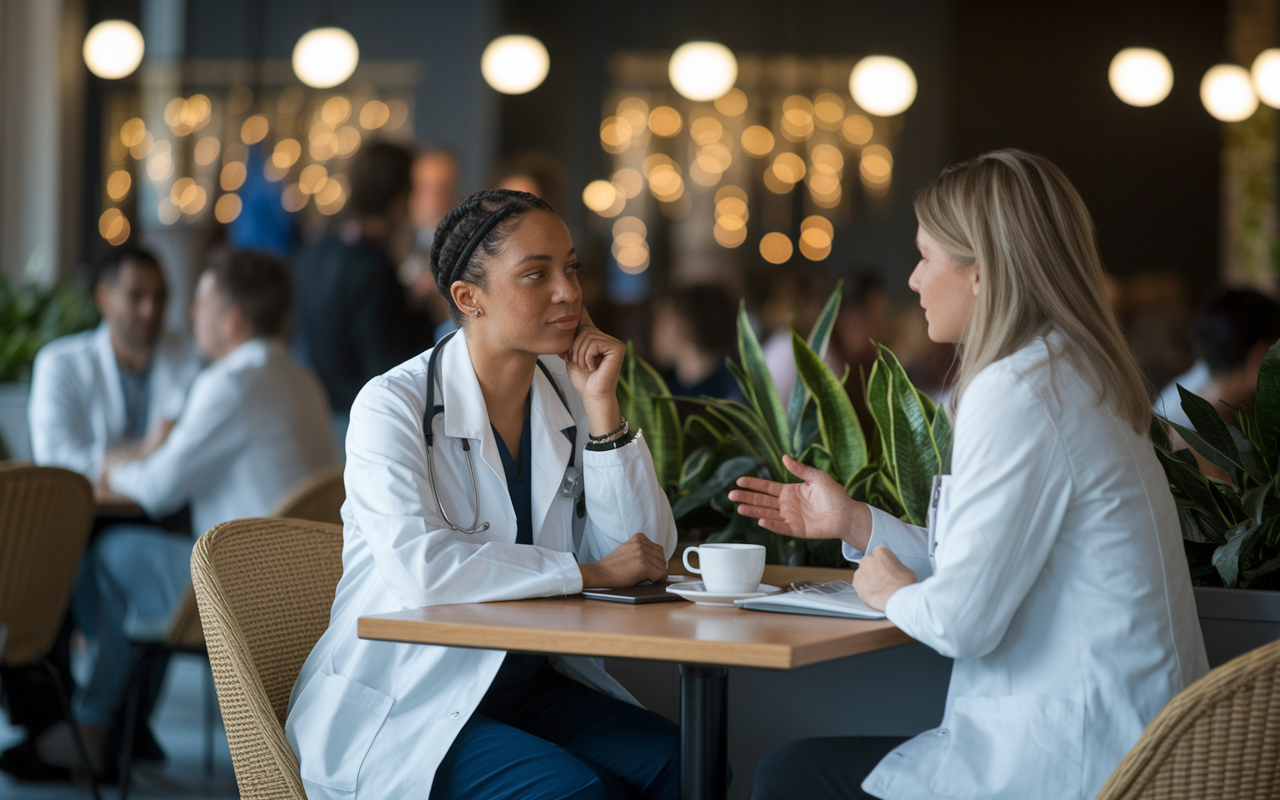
x: 354, y: 320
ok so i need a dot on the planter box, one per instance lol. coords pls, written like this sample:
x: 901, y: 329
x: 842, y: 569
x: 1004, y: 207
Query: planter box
x: 1235, y: 621
x: 15, y: 434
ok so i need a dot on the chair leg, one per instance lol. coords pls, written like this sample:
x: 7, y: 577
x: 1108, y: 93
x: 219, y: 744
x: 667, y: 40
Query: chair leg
x: 210, y: 710
x: 65, y: 700
x: 133, y: 698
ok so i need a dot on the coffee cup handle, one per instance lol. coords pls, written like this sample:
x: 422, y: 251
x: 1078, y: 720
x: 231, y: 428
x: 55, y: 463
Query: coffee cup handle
x: 685, y: 559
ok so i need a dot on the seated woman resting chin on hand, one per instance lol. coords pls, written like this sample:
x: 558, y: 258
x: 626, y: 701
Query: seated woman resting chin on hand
x: 1053, y: 572
x: 495, y: 466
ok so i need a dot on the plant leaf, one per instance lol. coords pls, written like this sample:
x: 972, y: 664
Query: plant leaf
x: 1160, y: 434
x: 720, y: 482
x: 841, y: 432
x: 740, y: 378
x: 1226, y: 559
x: 746, y: 425
x: 764, y: 394
x: 1210, y: 439
x: 916, y: 456
x: 1250, y: 461
x: 1267, y: 406
x: 704, y: 433
x: 653, y: 411
x: 819, y: 338
x: 1188, y: 481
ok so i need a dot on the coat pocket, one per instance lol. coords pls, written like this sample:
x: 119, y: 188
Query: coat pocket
x: 331, y: 728
x: 1020, y: 746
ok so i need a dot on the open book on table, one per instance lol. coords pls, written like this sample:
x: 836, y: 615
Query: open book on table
x: 823, y: 599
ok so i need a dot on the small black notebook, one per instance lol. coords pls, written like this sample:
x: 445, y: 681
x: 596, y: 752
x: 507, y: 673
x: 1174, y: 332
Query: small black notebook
x: 643, y: 593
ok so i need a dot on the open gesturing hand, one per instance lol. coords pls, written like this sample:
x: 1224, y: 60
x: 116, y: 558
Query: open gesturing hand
x: 819, y: 508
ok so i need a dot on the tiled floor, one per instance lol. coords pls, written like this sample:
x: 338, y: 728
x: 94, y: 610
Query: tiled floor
x: 179, y: 726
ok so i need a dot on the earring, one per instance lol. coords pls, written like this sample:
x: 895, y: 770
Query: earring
x: 475, y: 313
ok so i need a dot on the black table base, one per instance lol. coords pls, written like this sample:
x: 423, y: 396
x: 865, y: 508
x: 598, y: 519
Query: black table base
x: 704, y: 728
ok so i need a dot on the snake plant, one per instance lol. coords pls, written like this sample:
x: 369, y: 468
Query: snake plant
x: 817, y: 425
x: 1230, y: 529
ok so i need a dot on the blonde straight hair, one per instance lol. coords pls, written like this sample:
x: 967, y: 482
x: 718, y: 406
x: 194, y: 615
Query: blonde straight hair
x: 1018, y: 217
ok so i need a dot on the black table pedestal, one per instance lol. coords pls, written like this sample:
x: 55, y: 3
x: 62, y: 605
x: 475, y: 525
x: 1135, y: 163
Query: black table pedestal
x: 704, y: 718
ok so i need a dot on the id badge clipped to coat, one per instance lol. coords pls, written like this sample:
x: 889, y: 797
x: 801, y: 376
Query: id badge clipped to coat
x: 935, y: 500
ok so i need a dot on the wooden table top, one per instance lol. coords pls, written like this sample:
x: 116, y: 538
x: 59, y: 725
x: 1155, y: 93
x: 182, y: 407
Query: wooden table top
x: 682, y: 631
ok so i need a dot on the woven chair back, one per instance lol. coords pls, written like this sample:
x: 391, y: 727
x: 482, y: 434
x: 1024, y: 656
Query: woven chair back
x: 1219, y: 738
x: 318, y: 497
x: 46, y: 514
x: 265, y: 589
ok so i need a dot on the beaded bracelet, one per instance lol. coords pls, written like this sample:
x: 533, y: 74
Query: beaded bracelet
x: 617, y: 432
x: 621, y: 441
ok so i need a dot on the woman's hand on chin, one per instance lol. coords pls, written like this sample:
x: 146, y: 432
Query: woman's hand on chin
x: 594, y: 362
x: 635, y: 560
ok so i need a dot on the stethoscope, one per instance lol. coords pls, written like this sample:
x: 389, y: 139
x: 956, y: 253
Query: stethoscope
x: 571, y: 486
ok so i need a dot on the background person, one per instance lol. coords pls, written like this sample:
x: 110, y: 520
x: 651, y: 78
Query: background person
x: 255, y: 425
x: 1053, y: 569
x: 379, y: 719
x: 694, y: 331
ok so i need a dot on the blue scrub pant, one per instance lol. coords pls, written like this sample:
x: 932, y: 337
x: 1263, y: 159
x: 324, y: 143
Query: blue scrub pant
x: 551, y: 738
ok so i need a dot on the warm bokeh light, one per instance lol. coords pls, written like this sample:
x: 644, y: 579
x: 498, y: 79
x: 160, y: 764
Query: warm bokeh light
x: 826, y: 156
x: 118, y: 184
x: 325, y: 57
x: 113, y: 226
x: 757, y: 141
x: 293, y: 199
x: 143, y: 148
x: 775, y: 184
x: 629, y: 181
x: 160, y: 165
x: 630, y: 226
x: 817, y: 231
x: 775, y: 248
x: 876, y: 166
x: 733, y: 103
x: 665, y: 183
x: 636, y: 112
x: 254, y: 129
x: 1227, y: 93
x: 113, y: 49
x: 828, y: 111
x: 232, y: 176
x: 706, y: 130
x: 399, y: 114
x: 857, y: 130
x: 335, y: 110
x: 515, y: 64
x: 348, y: 140
x: 655, y: 160
x: 883, y: 85
x: 227, y: 208
x: 797, y: 118
x: 331, y: 197
x: 184, y: 115
x: 665, y: 121
x: 322, y: 141
x: 788, y: 168
x: 167, y: 212
x: 1140, y: 76
x: 273, y: 173
x: 1266, y: 76
x: 600, y: 197
x: 132, y: 132
x: 206, y: 150
x: 729, y: 236
x: 313, y: 178
x: 286, y: 154
x: 193, y: 200
x: 615, y: 134
x: 702, y: 71
x: 374, y: 115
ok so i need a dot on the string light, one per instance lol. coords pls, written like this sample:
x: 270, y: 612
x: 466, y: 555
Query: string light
x: 325, y: 57
x: 113, y: 49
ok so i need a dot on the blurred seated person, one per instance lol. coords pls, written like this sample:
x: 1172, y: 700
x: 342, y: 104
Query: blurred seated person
x: 434, y: 194
x: 255, y: 424
x: 694, y: 330
x: 532, y: 171
x: 116, y: 389
x: 1233, y: 330
x: 354, y: 318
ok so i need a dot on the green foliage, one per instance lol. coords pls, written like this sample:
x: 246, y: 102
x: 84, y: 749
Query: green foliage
x: 1231, y: 530
x: 818, y: 427
x: 31, y: 316
x: 646, y: 401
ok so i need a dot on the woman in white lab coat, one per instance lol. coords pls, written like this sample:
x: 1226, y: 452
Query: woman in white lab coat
x: 1053, y: 568
x: 532, y: 486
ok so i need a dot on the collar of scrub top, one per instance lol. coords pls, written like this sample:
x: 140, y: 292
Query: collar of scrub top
x: 571, y: 486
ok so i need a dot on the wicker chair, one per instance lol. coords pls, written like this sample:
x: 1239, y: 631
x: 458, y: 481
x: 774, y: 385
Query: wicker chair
x: 1218, y: 738
x: 265, y: 588
x: 318, y: 497
x: 45, y: 518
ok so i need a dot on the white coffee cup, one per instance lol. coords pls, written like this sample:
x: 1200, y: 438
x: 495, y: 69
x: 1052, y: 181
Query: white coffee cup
x: 728, y: 568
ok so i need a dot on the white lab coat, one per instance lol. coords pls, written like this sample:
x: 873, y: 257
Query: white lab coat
x: 255, y: 425
x: 1056, y: 581
x: 77, y: 409
x: 375, y: 719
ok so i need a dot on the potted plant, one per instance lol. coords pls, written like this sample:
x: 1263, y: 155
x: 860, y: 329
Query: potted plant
x: 30, y: 317
x: 891, y: 469
x: 1231, y: 529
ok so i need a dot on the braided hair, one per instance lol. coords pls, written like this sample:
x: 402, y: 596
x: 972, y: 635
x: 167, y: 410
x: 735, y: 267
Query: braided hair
x: 473, y: 231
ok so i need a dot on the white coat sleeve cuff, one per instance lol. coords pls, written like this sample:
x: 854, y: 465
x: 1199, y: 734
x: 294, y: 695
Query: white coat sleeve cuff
x: 908, y: 542
x: 900, y: 609
x: 570, y: 573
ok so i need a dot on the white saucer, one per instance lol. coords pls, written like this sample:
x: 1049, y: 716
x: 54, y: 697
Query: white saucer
x: 697, y: 592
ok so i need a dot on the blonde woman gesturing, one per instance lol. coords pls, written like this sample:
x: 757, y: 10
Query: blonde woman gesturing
x: 1053, y: 572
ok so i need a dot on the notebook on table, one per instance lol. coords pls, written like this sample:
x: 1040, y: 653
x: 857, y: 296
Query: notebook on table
x: 822, y: 599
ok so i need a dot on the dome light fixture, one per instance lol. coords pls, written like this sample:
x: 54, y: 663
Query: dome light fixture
x: 883, y: 85
x: 325, y: 57
x: 1140, y: 76
x: 1227, y: 93
x: 515, y: 64
x: 113, y: 49
x: 1266, y: 76
x: 702, y: 71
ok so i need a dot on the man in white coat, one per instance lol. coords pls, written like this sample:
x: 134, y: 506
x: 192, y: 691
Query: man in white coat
x: 255, y: 425
x: 119, y: 387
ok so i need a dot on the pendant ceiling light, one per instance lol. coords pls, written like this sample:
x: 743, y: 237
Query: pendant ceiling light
x: 113, y: 49
x: 1227, y: 93
x: 515, y: 64
x: 325, y: 57
x: 1266, y: 76
x: 883, y: 85
x: 1140, y: 76
x: 703, y: 71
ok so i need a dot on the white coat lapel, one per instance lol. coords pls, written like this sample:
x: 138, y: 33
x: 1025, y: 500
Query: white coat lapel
x: 465, y: 413
x: 109, y: 379
x: 549, y: 418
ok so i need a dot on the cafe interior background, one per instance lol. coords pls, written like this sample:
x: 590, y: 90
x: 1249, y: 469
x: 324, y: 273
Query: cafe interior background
x: 749, y: 157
